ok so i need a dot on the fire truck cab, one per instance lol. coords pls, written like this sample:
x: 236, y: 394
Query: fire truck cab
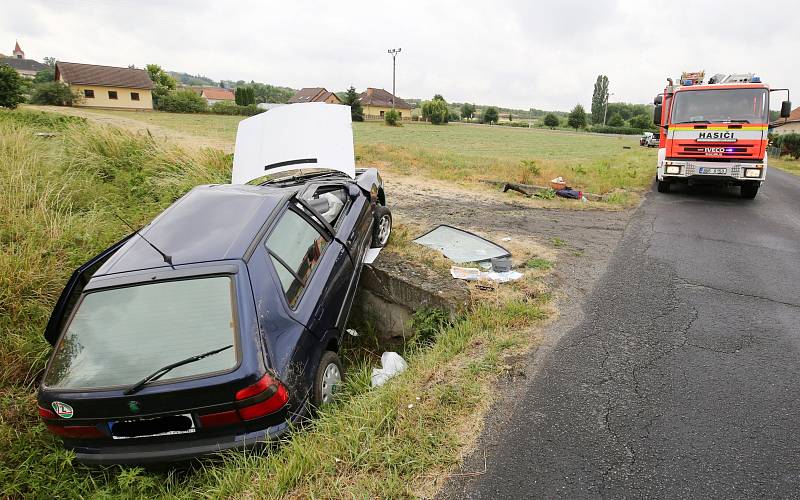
x: 715, y: 132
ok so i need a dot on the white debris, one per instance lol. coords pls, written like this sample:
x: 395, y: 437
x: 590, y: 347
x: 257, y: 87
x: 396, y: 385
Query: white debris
x: 352, y: 332
x: 503, y: 277
x: 371, y: 254
x: 465, y: 273
x: 474, y: 274
x: 391, y: 365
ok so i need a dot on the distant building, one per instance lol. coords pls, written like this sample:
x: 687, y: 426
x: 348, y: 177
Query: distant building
x: 25, y: 67
x: 788, y: 125
x: 107, y: 86
x: 314, y: 94
x: 216, y: 94
x: 376, y: 102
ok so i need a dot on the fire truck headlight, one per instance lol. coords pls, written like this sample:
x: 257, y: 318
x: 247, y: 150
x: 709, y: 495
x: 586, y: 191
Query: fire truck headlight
x: 673, y: 169
x: 752, y: 172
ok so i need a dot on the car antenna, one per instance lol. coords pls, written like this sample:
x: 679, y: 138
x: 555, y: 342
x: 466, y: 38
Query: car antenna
x: 167, y: 258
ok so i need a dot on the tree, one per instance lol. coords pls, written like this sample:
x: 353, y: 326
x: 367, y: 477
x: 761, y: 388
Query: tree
x: 50, y: 61
x: 599, y: 97
x: 641, y: 121
x: 616, y: 120
x: 467, y: 111
x: 54, y: 94
x: 490, y: 115
x: 245, y: 96
x: 577, y: 117
x: 351, y: 99
x: 10, y: 87
x: 45, y: 75
x: 436, y: 110
x: 163, y: 83
x: 391, y: 117
x: 551, y: 120
x: 510, y: 117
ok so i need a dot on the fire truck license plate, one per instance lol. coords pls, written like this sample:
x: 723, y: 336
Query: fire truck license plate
x: 713, y: 171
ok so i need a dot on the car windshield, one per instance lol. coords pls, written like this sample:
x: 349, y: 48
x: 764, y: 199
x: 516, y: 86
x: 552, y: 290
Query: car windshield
x: 118, y: 336
x: 723, y: 105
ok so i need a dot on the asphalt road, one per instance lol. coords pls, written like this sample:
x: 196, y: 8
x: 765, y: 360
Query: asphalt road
x: 683, y: 379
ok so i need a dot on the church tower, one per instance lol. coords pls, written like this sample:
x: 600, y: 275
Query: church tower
x: 18, y: 53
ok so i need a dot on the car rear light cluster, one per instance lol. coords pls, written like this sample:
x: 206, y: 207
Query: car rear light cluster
x: 263, y: 398
x: 69, y: 431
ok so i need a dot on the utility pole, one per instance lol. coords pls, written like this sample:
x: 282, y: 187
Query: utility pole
x: 394, y: 53
x: 605, y: 110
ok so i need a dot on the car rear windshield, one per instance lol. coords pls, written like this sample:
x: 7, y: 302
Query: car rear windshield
x: 119, y: 336
x: 723, y: 105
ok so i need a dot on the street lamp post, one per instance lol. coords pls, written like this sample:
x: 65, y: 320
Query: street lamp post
x: 605, y: 109
x: 394, y: 53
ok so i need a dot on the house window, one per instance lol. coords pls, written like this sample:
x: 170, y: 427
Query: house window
x: 400, y: 114
x: 134, y: 96
x: 88, y: 93
x: 112, y: 94
x: 382, y: 113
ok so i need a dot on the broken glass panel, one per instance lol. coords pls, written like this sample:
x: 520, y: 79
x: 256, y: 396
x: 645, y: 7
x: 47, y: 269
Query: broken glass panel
x: 461, y: 246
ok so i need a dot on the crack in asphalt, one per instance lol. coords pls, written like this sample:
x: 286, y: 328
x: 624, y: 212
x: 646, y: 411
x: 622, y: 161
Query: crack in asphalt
x: 689, y: 284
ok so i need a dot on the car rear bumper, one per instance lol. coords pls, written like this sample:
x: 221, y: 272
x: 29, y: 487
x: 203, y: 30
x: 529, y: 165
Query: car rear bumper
x: 164, y: 452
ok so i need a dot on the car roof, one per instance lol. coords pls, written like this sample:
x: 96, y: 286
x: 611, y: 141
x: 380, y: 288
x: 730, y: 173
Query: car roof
x: 209, y: 223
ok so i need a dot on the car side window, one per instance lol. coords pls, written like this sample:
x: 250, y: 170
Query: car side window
x: 295, y: 247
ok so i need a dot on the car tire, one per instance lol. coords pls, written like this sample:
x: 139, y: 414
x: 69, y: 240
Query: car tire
x: 750, y: 190
x: 382, y: 227
x: 329, y: 374
x: 663, y: 187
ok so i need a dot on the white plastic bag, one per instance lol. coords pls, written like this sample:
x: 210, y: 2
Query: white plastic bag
x: 391, y: 364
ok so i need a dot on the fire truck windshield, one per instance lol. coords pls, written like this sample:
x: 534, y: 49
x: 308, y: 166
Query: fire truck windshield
x: 720, y: 106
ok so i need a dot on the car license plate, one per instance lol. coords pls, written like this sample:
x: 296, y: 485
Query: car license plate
x: 150, y: 427
x: 713, y: 171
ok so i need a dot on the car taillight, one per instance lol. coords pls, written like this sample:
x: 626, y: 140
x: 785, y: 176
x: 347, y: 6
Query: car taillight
x: 76, y: 431
x: 45, y: 413
x: 220, y: 419
x: 262, y: 398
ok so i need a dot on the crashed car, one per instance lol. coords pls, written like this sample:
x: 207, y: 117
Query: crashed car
x: 218, y: 324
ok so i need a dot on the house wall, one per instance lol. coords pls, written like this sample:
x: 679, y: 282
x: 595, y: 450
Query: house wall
x: 123, y: 100
x: 375, y: 112
x: 332, y: 99
x: 789, y: 128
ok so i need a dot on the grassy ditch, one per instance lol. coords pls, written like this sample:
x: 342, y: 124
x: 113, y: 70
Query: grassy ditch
x: 60, y: 198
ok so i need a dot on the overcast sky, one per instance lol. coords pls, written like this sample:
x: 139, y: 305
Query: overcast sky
x: 520, y: 54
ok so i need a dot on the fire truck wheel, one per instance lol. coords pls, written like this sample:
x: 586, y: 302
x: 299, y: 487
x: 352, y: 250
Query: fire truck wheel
x: 750, y: 190
x: 663, y: 187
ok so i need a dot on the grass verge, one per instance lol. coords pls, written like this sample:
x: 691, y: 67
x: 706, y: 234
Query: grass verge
x: 59, y: 201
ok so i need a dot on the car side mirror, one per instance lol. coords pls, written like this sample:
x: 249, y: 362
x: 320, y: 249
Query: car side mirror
x: 657, y: 115
x: 786, y: 109
x: 658, y: 100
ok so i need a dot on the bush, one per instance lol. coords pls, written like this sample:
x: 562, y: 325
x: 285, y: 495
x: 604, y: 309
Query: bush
x: 551, y: 120
x: 10, y: 87
x: 641, y: 121
x: 577, y: 117
x: 789, y: 144
x: 391, y: 117
x: 490, y: 115
x: 513, y: 124
x: 183, y: 101
x: 229, y: 108
x: 616, y: 120
x: 54, y: 94
x: 601, y: 129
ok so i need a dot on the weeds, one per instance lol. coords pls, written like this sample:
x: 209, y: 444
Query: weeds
x: 539, y: 263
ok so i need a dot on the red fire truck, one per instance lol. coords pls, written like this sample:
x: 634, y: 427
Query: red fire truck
x: 714, y: 132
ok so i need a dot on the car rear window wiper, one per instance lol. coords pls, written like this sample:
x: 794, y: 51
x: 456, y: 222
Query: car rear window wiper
x: 738, y: 121
x: 696, y: 121
x: 164, y: 370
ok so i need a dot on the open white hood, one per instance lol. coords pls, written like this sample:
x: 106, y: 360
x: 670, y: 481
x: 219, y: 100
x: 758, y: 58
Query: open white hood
x: 306, y: 135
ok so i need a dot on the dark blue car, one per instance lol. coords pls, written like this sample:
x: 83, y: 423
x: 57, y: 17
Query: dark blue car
x: 217, y: 324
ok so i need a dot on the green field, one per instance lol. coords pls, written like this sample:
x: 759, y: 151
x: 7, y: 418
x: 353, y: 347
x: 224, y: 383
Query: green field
x: 458, y: 152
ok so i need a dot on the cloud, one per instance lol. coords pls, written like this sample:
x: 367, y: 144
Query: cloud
x: 508, y: 53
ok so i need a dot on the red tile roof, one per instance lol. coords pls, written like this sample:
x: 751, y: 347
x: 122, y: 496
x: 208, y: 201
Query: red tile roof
x: 104, y: 76
x: 381, y: 98
x: 312, y: 94
x: 17, y: 48
x: 218, y: 94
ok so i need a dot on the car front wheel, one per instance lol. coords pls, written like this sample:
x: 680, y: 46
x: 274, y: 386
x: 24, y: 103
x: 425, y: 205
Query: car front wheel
x: 328, y: 377
x: 382, y: 227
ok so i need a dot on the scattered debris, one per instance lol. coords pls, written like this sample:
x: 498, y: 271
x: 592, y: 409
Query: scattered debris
x: 391, y: 364
x: 465, y: 273
x: 507, y: 238
x: 531, y: 190
x: 461, y: 246
x: 475, y: 274
x: 45, y: 135
x: 501, y: 264
x: 503, y: 277
x: 569, y: 193
x: 352, y: 332
x: 558, y: 183
x: 371, y: 254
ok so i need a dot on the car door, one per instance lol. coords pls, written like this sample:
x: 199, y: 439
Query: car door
x: 311, y: 264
